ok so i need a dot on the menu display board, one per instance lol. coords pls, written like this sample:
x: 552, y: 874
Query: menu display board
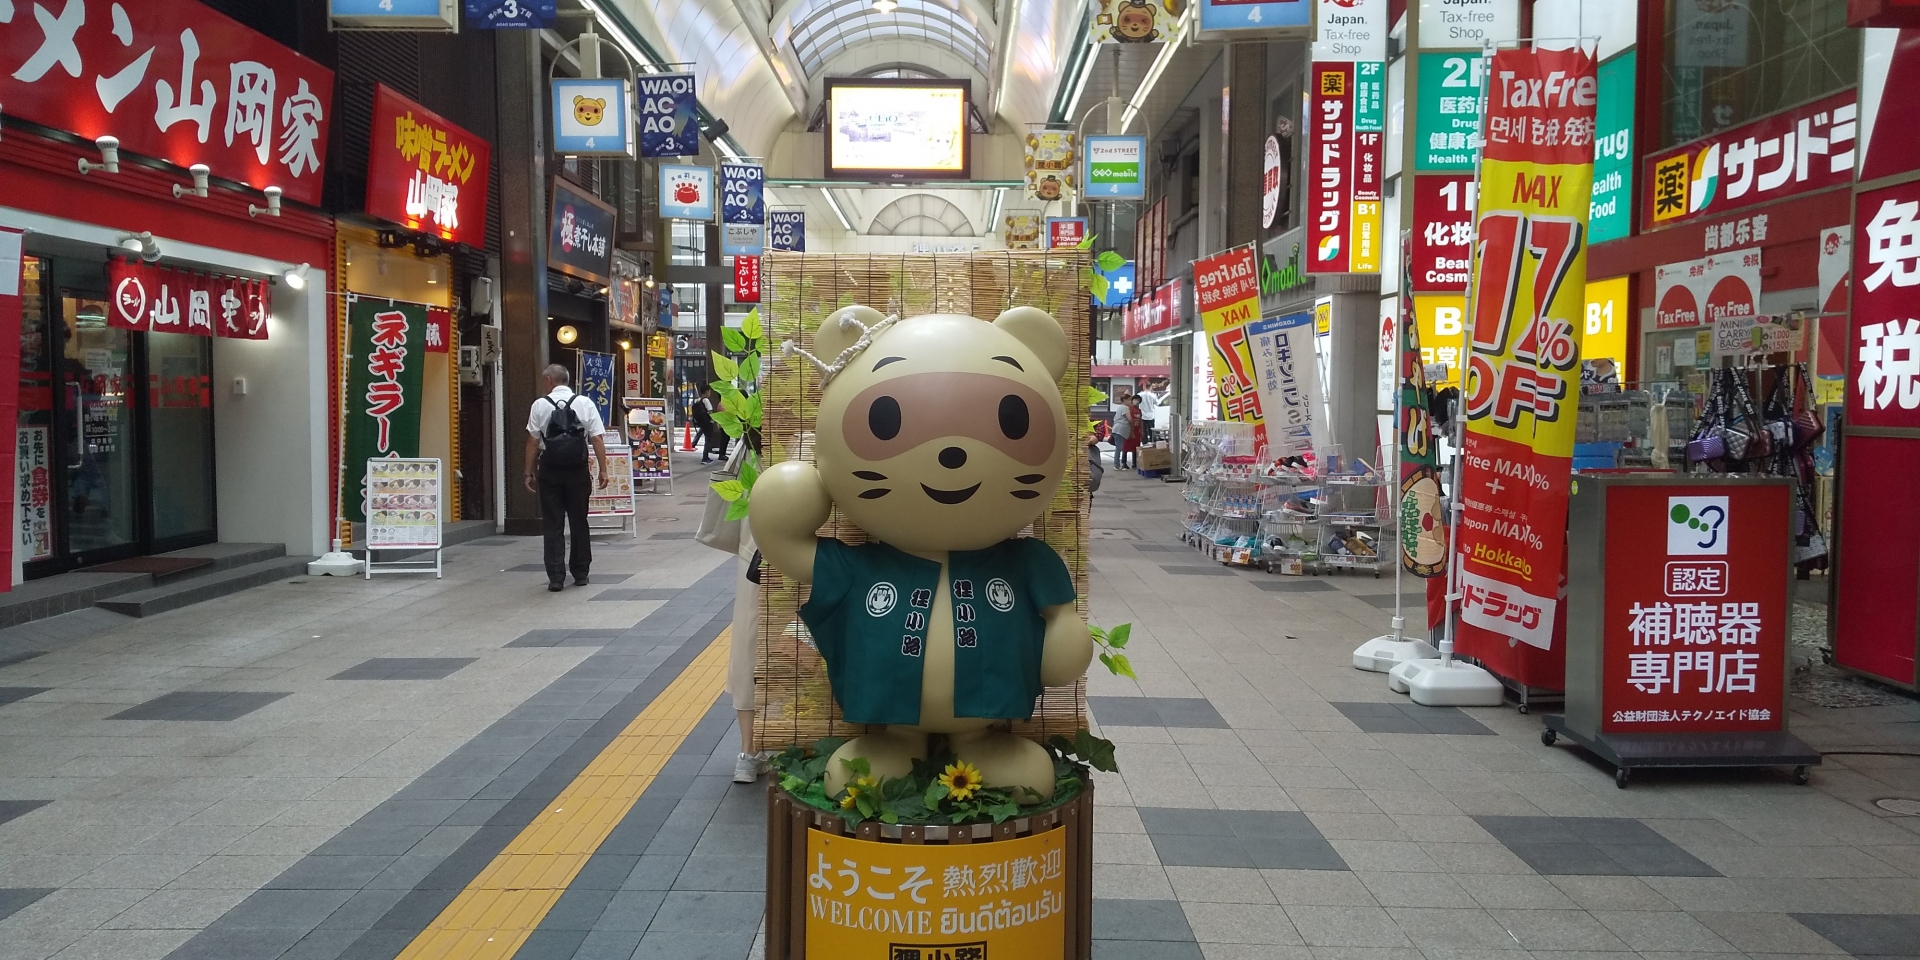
x: 616, y: 498
x: 650, y: 437
x: 403, y: 503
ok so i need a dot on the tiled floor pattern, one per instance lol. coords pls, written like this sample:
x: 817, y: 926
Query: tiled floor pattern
x: 404, y: 668
x: 207, y: 705
x: 1274, y: 803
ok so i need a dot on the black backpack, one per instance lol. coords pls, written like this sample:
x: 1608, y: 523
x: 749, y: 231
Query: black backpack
x: 565, y: 439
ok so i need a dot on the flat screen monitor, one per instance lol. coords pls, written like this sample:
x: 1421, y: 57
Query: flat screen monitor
x: 897, y: 130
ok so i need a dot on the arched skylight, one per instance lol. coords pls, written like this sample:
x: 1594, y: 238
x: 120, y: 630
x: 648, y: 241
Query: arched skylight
x: 920, y: 215
x: 819, y: 30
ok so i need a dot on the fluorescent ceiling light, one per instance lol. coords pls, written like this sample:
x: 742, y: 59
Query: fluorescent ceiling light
x: 1080, y: 83
x: 835, y: 204
x: 1008, y: 33
x: 1177, y: 334
x: 993, y: 217
x: 1160, y: 62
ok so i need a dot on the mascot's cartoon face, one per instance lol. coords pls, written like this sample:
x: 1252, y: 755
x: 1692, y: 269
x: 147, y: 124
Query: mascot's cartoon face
x: 1133, y: 22
x: 948, y: 433
x: 1049, y: 188
x: 588, y: 112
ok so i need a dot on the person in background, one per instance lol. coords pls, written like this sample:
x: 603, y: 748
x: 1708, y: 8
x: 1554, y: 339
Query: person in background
x: 717, y: 439
x: 1122, y: 430
x: 560, y: 427
x: 1136, y: 426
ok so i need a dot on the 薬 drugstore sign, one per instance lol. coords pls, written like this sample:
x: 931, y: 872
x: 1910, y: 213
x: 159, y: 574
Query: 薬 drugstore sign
x: 1792, y: 152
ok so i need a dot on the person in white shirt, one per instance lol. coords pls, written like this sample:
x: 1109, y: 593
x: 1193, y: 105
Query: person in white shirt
x: 560, y: 428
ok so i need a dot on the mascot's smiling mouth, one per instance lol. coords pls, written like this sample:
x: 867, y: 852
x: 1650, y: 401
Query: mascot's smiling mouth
x: 950, y: 496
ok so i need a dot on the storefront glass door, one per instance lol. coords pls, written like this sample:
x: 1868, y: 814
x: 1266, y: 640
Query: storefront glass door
x: 96, y: 442
x: 180, y: 431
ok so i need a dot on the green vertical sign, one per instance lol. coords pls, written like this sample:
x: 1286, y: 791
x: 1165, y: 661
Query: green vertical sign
x: 1613, y: 151
x: 1369, y: 96
x: 1447, y: 134
x: 388, y: 350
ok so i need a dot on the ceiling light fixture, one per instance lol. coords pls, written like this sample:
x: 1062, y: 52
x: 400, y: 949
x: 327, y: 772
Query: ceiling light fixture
x: 109, y: 157
x: 885, y: 6
x: 566, y: 334
x: 993, y: 216
x: 835, y: 204
x: 200, y: 173
x: 296, y: 277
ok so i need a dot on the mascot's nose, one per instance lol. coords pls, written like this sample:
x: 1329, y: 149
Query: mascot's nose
x: 953, y: 458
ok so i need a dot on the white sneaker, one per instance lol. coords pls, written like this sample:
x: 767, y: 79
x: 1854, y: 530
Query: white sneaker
x: 746, y: 769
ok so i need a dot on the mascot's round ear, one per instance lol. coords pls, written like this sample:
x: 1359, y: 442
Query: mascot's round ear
x: 834, y: 336
x: 1041, y: 333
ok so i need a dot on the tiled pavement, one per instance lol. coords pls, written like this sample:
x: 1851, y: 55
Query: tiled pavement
x: 314, y: 769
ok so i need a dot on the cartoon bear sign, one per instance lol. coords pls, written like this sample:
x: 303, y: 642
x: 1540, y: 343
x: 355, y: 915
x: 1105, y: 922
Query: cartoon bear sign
x: 943, y: 437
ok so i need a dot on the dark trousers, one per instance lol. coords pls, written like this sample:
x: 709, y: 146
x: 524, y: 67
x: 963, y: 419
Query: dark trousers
x: 717, y: 441
x: 563, y: 505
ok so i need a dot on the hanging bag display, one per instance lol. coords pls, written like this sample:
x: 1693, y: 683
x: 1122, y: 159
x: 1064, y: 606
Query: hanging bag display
x: 1808, y: 428
x: 1708, y: 444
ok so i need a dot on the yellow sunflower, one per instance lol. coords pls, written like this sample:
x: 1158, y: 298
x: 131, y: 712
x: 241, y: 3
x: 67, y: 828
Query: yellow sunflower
x: 856, y: 787
x: 961, y: 780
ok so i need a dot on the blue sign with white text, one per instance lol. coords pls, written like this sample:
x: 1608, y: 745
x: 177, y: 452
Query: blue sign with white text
x: 509, y: 14
x: 787, y: 230
x: 596, y: 382
x: 1239, y: 15
x: 385, y: 8
x: 667, y: 112
x: 1119, y: 286
x: 743, y: 196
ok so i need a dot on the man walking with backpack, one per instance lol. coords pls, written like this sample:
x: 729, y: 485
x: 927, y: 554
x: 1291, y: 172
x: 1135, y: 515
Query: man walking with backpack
x: 559, y: 429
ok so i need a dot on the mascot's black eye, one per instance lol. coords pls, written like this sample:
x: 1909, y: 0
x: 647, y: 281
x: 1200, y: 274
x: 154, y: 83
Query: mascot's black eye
x: 883, y: 418
x: 1013, y: 417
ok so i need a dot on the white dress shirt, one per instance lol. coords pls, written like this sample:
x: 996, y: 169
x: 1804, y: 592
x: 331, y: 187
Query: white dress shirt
x: 584, y: 409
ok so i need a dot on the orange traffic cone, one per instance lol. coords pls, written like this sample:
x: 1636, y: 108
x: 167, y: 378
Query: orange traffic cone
x: 686, y: 442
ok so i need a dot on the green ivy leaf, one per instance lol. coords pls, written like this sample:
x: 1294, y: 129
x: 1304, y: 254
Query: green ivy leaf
x: 935, y: 794
x: 735, y: 340
x: 734, y: 403
x: 750, y: 470
x: 723, y: 366
x: 1002, y: 811
x: 729, y: 490
x: 750, y: 368
x: 756, y: 410
x: 737, y: 510
x: 1117, y: 637
x: 1097, y: 286
x: 888, y: 816
x: 750, y: 325
x: 729, y: 423
x: 1121, y: 666
x: 858, y: 766
x: 1097, y: 752
x: 1110, y: 260
x: 1086, y: 242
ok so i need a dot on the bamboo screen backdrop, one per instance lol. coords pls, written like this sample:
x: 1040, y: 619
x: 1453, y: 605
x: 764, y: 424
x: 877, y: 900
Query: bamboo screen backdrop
x: 795, y: 706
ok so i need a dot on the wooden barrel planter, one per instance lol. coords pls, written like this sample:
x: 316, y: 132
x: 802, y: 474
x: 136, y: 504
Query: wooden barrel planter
x: 1019, y: 890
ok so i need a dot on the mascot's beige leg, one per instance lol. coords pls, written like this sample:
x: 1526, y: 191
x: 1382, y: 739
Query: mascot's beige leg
x: 889, y: 753
x: 1008, y: 761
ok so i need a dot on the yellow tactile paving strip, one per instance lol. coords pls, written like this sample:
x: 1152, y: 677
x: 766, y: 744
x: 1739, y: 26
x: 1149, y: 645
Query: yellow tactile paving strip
x: 504, y: 904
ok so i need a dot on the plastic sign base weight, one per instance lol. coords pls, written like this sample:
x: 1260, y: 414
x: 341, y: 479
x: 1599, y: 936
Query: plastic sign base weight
x: 1383, y: 653
x: 1458, y: 684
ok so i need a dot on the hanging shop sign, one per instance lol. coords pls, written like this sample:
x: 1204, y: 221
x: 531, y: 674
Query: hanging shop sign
x: 1120, y: 285
x: 405, y: 503
x: 668, y: 110
x: 743, y: 209
x: 1150, y: 245
x: 1065, y: 233
x: 580, y: 242
x: 1467, y: 23
x: 1441, y: 320
x: 1883, y: 352
x: 1116, y: 168
x: 1610, y: 215
x: 1279, y: 279
x: 1350, y: 30
x: 1705, y: 290
x: 630, y: 375
x: 590, y: 117
x: 425, y: 173
x: 439, y: 331
x: 1447, y: 138
x: 1023, y: 231
x: 437, y: 16
x: 1807, y: 148
x: 1226, y: 291
x: 175, y: 81
x: 171, y: 300
x: 1330, y: 167
x: 1136, y: 21
x: 686, y: 192
x: 787, y: 230
x: 984, y: 900
x: 1049, y: 162
x: 1524, y: 354
x: 1694, y: 636
x: 1242, y: 18
x: 596, y: 376
x: 383, y: 395
x: 649, y: 435
x: 1441, y: 242
x: 746, y: 279
x: 1288, y: 384
x: 506, y: 14
x: 1369, y: 142
x: 1272, y: 181
x: 1152, y: 314
x: 13, y: 275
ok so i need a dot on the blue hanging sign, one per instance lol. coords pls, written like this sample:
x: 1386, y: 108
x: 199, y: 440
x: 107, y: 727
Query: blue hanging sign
x: 422, y: 15
x: 1119, y: 286
x: 1116, y: 168
x: 511, y: 14
x: 787, y: 230
x: 596, y: 382
x: 743, y: 209
x: 590, y: 117
x: 667, y: 111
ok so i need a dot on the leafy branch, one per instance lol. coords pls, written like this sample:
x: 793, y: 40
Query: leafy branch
x: 742, y: 407
x: 1111, y: 642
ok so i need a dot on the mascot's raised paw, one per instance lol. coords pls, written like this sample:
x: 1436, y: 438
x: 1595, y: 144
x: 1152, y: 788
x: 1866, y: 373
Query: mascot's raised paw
x: 942, y: 437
